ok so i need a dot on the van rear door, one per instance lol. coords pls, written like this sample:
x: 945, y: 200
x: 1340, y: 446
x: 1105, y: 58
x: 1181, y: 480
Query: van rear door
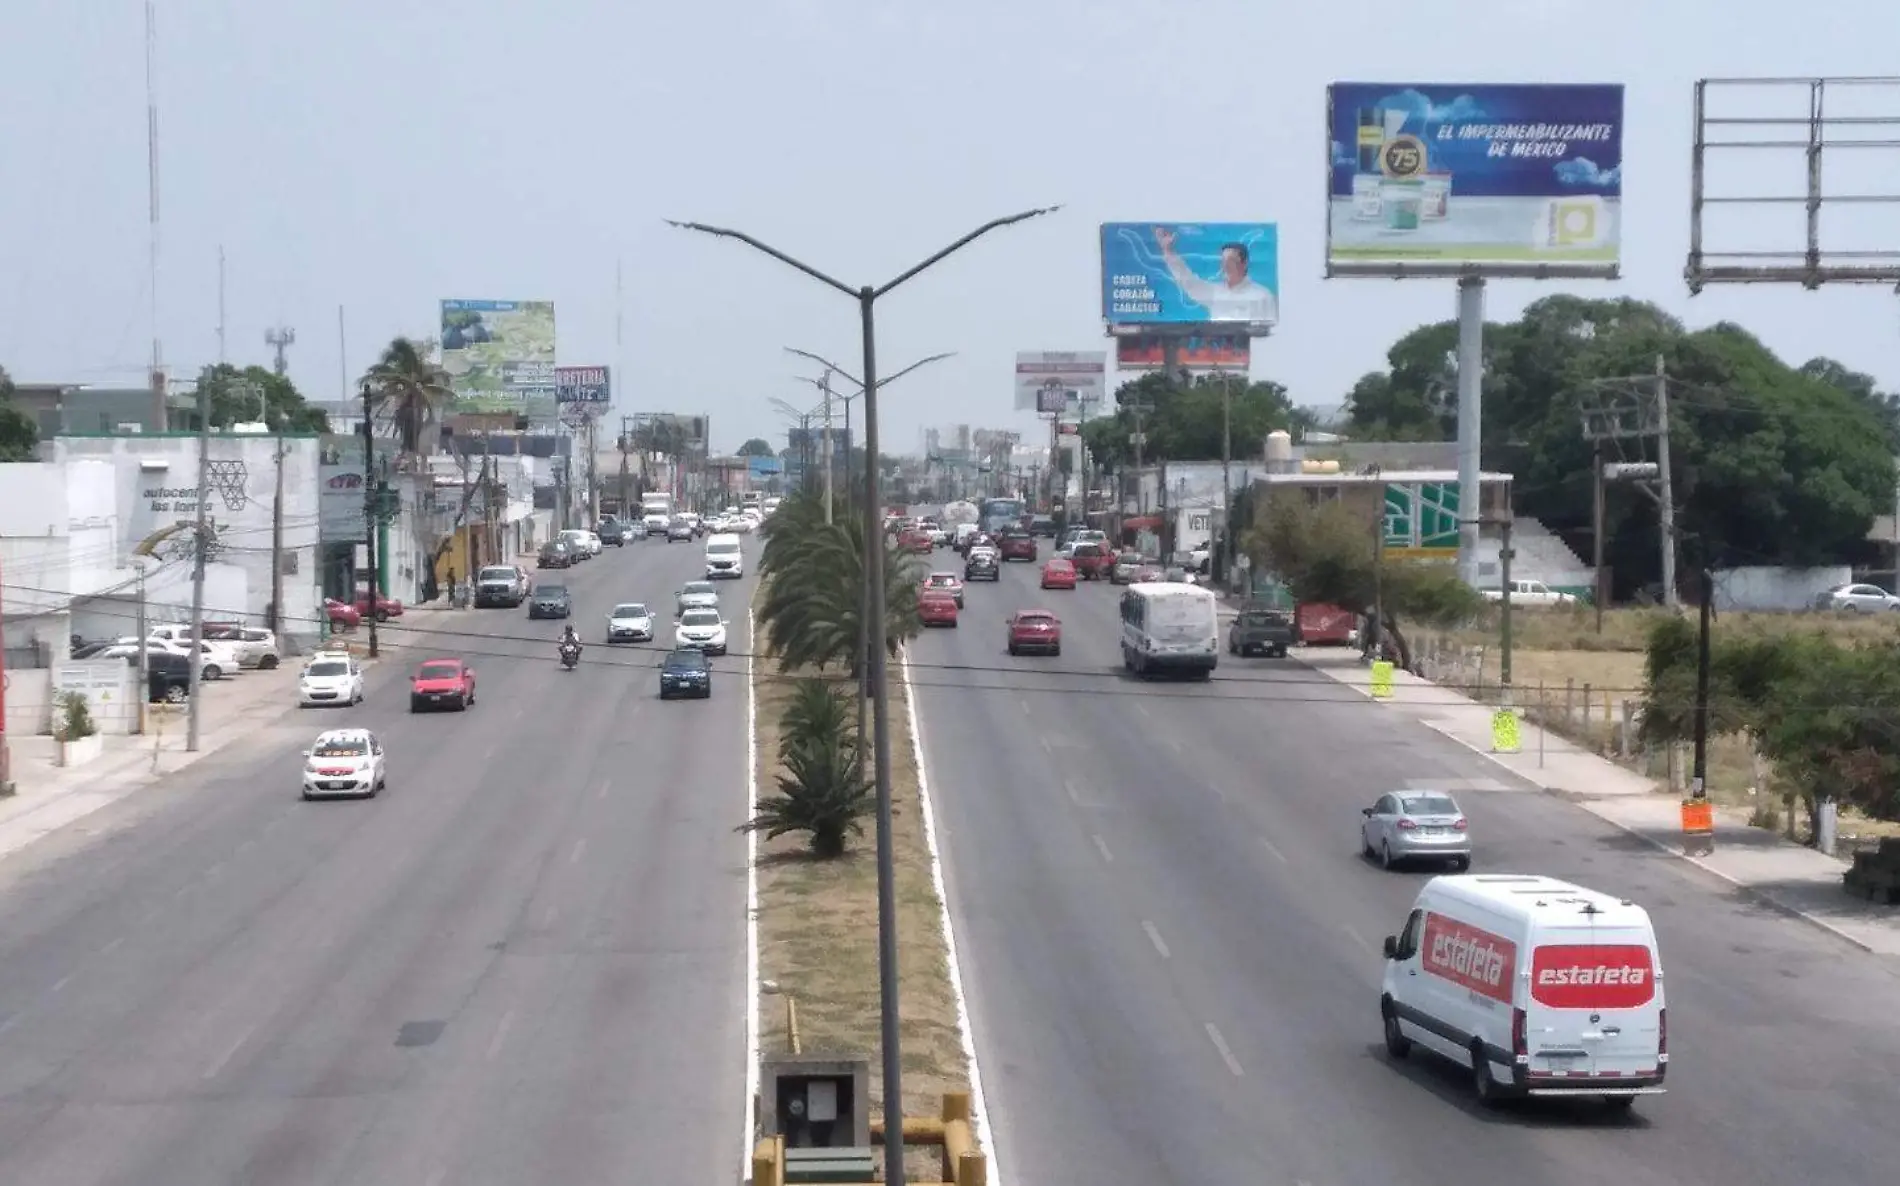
x: 1596, y: 1009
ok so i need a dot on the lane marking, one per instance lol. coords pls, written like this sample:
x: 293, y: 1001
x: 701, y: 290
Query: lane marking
x: 1268, y: 845
x: 1074, y: 792
x: 605, y: 786
x: 1142, y: 709
x: 1226, y: 1053
x: 501, y: 1035
x: 1046, y: 748
x: 1101, y: 846
x: 10, y: 1022
x: 113, y: 946
x: 214, y: 872
x: 547, y: 920
x: 63, y: 982
x: 751, y: 788
x: 1154, y: 937
x: 580, y: 846
x: 1024, y: 702
x: 1356, y: 937
x: 229, y: 1054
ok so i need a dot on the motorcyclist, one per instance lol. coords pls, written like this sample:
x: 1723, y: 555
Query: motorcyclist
x: 570, y: 640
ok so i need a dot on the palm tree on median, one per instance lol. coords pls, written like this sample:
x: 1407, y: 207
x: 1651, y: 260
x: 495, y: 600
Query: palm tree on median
x: 409, y: 389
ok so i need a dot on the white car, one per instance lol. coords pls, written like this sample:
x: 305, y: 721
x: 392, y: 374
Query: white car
x: 222, y: 655
x: 330, y: 678
x: 126, y: 648
x: 345, y: 763
x: 700, y: 630
x: 698, y: 595
x: 630, y: 622
x: 1532, y: 593
x: 584, y: 543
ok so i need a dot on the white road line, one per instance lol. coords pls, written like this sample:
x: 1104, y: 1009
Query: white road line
x: 1356, y: 937
x: 605, y: 784
x: 63, y: 982
x: 10, y: 1022
x: 580, y: 846
x: 1101, y: 846
x: 214, y: 872
x: 501, y: 1035
x: 751, y: 787
x: 1154, y: 937
x: 1268, y: 845
x: 1047, y: 749
x: 113, y: 946
x: 547, y: 920
x: 1226, y: 1054
x: 1142, y: 709
x: 229, y: 1054
x: 1023, y: 702
x: 1074, y: 792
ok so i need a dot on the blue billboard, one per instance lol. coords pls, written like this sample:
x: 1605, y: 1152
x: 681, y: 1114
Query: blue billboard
x: 1474, y: 179
x: 764, y: 467
x: 1191, y: 273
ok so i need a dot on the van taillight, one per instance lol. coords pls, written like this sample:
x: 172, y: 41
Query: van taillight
x: 1520, y: 1035
x: 1662, y: 1031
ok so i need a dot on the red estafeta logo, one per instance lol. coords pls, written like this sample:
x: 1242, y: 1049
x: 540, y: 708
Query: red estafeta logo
x: 346, y: 482
x: 1593, y: 976
x: 1467, y: 956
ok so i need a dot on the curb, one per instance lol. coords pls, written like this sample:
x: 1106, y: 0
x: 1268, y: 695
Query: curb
x: 1752, y: 892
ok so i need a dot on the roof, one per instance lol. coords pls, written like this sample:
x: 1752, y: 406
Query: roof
x: 1540, y: 897
x: 350, y: 734
x: 1389, y: 476
x: 1169, y: 589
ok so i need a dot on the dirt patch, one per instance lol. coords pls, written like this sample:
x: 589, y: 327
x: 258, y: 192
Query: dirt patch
x: 818, y: 932
x: 1585, y: 685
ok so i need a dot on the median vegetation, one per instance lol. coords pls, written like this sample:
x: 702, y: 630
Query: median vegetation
x: 817, y: 870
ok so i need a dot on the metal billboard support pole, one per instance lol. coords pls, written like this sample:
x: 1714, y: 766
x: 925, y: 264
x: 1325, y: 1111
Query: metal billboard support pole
x: 1470, y: 424
x: 198, y: 570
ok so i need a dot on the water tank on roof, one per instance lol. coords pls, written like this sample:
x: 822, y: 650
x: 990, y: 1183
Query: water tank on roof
x: 1279, y: 452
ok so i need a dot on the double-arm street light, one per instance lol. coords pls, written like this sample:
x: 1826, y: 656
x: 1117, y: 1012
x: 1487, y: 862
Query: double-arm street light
x: 804, y: 418
x: 866, y: 297
x: 824, y: 385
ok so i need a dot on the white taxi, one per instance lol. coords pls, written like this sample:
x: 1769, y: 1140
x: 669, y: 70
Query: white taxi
x: 330, y: 678
x: 344, y: 763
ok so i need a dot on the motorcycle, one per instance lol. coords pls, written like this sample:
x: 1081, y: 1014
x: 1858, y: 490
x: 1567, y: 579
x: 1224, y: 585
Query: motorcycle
x: 570, y: 655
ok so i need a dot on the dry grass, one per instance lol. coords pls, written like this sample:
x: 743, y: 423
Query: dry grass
x: 1576, y: 682
x: 818, y: 935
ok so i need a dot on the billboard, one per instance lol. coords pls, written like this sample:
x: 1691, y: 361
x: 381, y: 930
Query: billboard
x: 1191, y: 273
x: 582, y: 385
x: 669, y: 428
x: 1197, y: 352
x: 1052, y: 377
x: 764, y: 467
x: 499, y: 354
x: 1474, y: 179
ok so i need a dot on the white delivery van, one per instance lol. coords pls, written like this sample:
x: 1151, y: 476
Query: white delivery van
x: 1169, y: 627
x: 723, y: 558
x: 1540, y: 987
x: 656, y: 511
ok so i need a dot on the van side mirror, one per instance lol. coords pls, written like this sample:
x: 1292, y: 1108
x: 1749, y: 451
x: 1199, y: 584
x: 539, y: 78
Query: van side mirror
x: 1391, y: 947
x: 1366, y: 811
x: 306, y: 753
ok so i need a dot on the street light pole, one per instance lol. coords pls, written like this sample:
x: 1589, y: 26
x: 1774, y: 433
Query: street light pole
x: 892, y: 1061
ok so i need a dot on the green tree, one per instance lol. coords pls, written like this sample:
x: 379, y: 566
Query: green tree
x: 757, y: 447
x: 814, y: 572
x: 821, y: 792
x: 1183, y: 420
x: 1327, y: 554
x: 256, y: 394
x: 410, y: 390
x: 19, y: 435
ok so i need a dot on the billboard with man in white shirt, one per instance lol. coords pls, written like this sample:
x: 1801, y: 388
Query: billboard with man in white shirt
x: 1191, y: 273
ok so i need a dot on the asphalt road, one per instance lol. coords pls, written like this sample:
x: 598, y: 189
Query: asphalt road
x: 1171, y: 947
x: 524, y: 963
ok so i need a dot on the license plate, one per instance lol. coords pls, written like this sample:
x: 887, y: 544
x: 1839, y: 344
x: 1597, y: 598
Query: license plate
x: 435, y: 695
x: 1433, y: 831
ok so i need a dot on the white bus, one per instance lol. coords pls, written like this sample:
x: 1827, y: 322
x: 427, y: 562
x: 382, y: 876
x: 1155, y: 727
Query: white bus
x: 1169, y: 627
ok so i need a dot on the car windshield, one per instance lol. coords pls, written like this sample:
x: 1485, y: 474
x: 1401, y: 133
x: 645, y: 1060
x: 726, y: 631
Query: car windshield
x: 1429, y: 805
x: 1088, y: 550
x: 700, y: 617
x: 497, y: 574
x: 630, y: 610
x: 439, y: 671
x: 340, y: 747
x: 943, y: 579
x: 691, y: 660
x: 1261, y: 618
x: 720, y: 549
x: 551, y: 591
x: 328, y: 668
x: 1035, y: 619
x: 698, y: 587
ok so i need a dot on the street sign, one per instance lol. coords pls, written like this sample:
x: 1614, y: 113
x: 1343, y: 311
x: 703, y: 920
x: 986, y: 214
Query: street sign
x: 1622, y: 471
x: 1137, y: 438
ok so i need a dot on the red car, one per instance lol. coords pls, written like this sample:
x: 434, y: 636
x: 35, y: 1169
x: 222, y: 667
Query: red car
x: 342, y: 617
x: 913, y: 539
x: 945, y: 582
x: 1018, y: 545
x: 937, y: 609
x: 1035, y: 630
x: 442, y: 683
x: 1092, y: 561
x: 386, y: 607
x: 1058, y: 574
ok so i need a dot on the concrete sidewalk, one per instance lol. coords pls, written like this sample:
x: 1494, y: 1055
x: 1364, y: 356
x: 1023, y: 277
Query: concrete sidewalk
x: 1788, y: 876
x: 48, y: 796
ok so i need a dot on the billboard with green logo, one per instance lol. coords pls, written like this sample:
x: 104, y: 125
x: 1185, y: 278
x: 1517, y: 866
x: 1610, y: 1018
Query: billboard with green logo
x: 500, y: 355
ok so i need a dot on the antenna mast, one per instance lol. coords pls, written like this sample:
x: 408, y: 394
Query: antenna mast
x: 151, y: 180
x: 281, y: 339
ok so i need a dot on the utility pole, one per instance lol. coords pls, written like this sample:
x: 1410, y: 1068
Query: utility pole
x: 593, y: 474
x: 276, y: 622
x: 1378, y: 580
x: 1505, y: 555
x: 626, y: 439
x: 824, y: 385
x: 1699, y: 772
x: 1227, y: 484
x: 280, y: 339
x: 222, y: 358
x: 1667, y: 490
x: 198, y: 551
x: 369, y: 513
x: 145, y: 676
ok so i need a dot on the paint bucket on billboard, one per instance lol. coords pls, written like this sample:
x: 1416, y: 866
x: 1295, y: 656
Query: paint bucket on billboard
x: 1365, y: 196
x: 1573, y: 222
x: 1371, y: 138
x: 1436, y: 202
x: 1402, y: 202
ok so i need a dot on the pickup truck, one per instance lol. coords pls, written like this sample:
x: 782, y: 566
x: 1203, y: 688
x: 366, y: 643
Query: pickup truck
x: 1532, y: 593
x: 1260, y: 632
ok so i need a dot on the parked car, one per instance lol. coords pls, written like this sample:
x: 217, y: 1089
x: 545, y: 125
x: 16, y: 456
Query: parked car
x: 341, y: 616
x: 1058, y: 573
x: 387, y: 607
x: 937, y: 609
x: 1260, y: 632
x: 256, y: 646
x: 442, y: 683
x: 500, y: 584
x: 1537, y: 593
x: 167, y: 676
x: 555, y: 554
x: 1036, y: 630
x: 1857, y: 599
x: 610, y: 531
x: 223, y: 654
x: 1128, y: 566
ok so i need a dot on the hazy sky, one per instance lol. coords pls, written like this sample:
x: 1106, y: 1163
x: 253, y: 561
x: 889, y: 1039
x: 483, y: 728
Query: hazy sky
x: 383, y: 154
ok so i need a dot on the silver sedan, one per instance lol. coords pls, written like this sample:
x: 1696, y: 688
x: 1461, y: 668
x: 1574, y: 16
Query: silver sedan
x: 1416, y: 825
